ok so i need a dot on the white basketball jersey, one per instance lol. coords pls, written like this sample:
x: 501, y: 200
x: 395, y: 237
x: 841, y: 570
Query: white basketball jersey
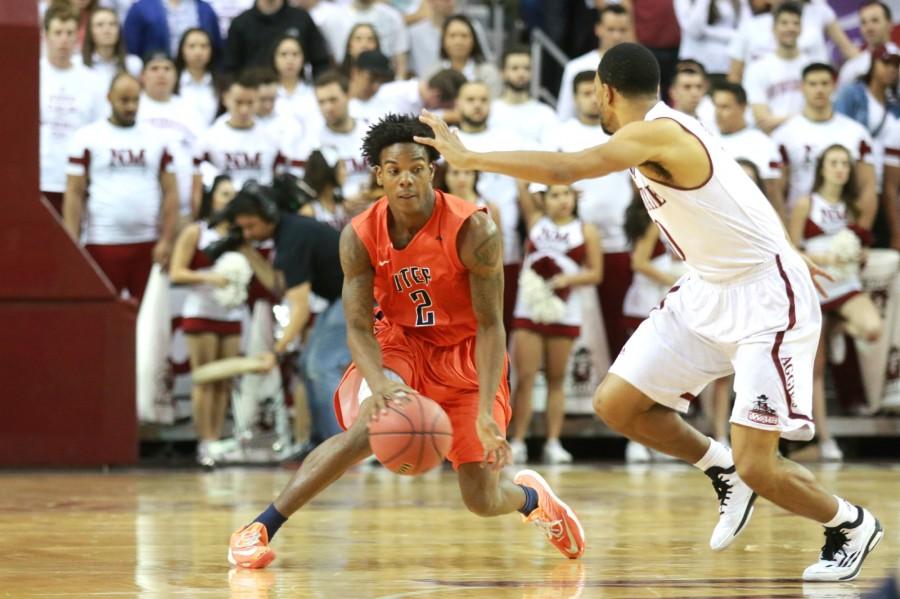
x: 721, y: 229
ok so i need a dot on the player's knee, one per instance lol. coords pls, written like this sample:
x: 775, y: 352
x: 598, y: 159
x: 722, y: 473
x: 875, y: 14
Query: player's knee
x: 608, y: 410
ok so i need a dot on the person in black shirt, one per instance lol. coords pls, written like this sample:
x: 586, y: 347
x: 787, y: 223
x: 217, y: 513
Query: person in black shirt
x: 306, y: 261
x: 251, y: 33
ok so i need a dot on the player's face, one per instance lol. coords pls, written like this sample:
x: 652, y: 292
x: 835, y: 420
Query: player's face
x: 836, y: 166
x: 223, y: 194
x: 363, y: 39
x: 729, y: 114
x: 241, y: 104
x: 612, y: 30
x: 687, y: 91
x: 60, y: 37
x: 197, y: 51
x: 608, y: 119
x: 586, y: 102
x: 288, y: 58
x: 333, y: 104
x: 458, y: 41
x: 559, y: 201
x: 105, y: 28
x: 265, y: 99
x: 123, y: 99
x: 405, y: 173
x: 460, y: 182
x: 787, y: 30
x: 517, y: 72
x: 159, y: 78
x: 254, y: 227
x: 873, y: 25
x: 474, y: 104
x: 817, y: 89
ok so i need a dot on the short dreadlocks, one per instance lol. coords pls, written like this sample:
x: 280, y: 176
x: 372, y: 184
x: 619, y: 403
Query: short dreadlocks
x: 395, y: 129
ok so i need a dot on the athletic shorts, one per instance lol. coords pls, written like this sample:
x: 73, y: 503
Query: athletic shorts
x: 763, y: 326
x: 445, y: 374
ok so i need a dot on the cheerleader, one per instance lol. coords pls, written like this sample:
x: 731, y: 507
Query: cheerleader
x: 562, y: 253
x: 323, y: 179
x: 822, y: 227
x: 212, y: 331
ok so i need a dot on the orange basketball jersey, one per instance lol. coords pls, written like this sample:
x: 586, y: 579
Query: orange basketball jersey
x: 423, y: 287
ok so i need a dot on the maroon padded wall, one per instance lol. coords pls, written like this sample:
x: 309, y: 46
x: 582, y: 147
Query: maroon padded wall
x: 66, y: 342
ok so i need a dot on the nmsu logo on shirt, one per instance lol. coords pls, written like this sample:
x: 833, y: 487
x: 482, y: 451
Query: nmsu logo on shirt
x: 127, y: 158
x: 241, y: 161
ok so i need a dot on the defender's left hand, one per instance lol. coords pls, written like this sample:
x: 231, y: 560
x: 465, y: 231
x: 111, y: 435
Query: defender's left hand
x: 444, y: 141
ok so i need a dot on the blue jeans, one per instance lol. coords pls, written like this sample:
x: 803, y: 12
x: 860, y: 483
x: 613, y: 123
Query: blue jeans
x: 322, y: 365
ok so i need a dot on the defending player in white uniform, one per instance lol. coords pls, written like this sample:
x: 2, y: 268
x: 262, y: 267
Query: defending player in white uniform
x: 748, y: 304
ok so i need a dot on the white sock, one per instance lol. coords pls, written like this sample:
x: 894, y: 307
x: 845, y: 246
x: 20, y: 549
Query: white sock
x: 847, y: 512
x: 717, y: 455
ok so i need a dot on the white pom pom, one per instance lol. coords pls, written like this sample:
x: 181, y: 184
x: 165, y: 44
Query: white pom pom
x: 845, y: 251
x: 543, y: 305
x: 235, y: 267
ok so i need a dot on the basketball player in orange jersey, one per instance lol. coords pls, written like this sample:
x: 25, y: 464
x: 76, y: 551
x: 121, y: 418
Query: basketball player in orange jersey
x: 434, y: 265
x: 748, y: 305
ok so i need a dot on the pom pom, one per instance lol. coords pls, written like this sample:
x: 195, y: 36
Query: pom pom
x: 845, y: 252
x: 235, y: 267
x: 543, y: 305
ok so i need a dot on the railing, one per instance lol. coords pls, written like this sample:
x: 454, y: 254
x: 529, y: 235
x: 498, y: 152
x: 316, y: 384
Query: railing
x: 541, y: 44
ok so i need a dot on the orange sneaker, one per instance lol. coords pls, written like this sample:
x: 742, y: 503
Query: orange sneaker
x: 553, y: 517
x: 249, y: 547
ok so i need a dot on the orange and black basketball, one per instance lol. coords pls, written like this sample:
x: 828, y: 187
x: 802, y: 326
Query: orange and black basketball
x: 413, y: 437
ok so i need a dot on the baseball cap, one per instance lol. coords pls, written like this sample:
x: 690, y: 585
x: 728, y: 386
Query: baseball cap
x: 376, y: 63
x: 888, y: 52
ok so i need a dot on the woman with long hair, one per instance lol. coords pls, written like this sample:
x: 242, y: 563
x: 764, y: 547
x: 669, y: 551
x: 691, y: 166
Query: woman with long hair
x: 462, y: 52
x: 463, y: 184
x: 822, y: 226
x: 563, y: 253
x: 198, y: 82
x: 212, y: 331
x: 103, y: 49
x: 362, y: 38
x: 322, y: 180
x: 296, y: 98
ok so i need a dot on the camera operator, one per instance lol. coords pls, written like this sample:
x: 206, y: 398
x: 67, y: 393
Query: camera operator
x: 306, y: 260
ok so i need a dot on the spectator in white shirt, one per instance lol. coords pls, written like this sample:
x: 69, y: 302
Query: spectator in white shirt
x: 875, y: 24
x: 389, y: 24
x: 369, y: 72
x: 198, y: 83
x: 103, y: 49
x: 687, y: 90
x: 295, y: 96
x: 515, y: 108
x: 612, y: 28
x: 362, y: 38
x: 707, y: 28
x: 461, y: 51
x: 425, y: 36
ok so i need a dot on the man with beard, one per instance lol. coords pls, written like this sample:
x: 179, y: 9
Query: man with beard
x: 127, y: 171
x: 515, y: 108
x: 748, y: 305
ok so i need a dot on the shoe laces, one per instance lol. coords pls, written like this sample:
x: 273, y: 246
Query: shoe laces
x: 720, y: 484
x: 835, y: 542
x: 553, y: 529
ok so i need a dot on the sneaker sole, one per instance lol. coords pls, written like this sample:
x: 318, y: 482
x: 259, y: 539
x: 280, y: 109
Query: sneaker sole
x: 876, y: 537
x: 569, y: 512
x: 270, y: 557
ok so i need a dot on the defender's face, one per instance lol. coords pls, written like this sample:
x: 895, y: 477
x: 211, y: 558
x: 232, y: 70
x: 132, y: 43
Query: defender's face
x: 608, y: 120
x: 405, y: 173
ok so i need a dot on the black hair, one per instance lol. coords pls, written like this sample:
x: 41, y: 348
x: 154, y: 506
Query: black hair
x: 630, y: 69
x: 447, y: 82
x: 884, y: 7
x: 440, y: 177
x: 262, y: 76
x: 513, y: 51
x: 319, y: 173
x: 616, y: 9
x: 332, y: 76
x: 637, y: 219
x: 181, y: 65
x: 850, y: 191
x: 735, y: 89
x: 347, y: 64
x: 582, y: 77
x: 123, y: 75
x: 815, y: 67
x: 793, y: 8
x: 206, y: 202
x: 395, y: 129
x: 280, y: 40
x: 477, y: 53
x: 757, y: 178
x: 254, y: 200
x: 245, y: 79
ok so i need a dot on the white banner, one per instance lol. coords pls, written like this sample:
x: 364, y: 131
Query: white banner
x: 153, y: 340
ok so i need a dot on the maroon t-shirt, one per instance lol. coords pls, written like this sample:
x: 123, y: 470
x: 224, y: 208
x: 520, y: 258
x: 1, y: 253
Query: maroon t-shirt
x: 655, y: 24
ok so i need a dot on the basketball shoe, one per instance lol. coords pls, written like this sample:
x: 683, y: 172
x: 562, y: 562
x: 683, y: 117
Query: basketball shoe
x: 552, y: 516
x: 846, y: 546
x: 249, y: 547
x: 735, y: 505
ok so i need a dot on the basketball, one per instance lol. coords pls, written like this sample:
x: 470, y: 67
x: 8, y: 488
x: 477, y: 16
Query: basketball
x: 411, y: 438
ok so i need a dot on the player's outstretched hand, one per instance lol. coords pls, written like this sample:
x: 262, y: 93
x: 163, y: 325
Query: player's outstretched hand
x: 816, y: 271
x: 389, y: 391
x: 444, y: 141
x: 496, y: 447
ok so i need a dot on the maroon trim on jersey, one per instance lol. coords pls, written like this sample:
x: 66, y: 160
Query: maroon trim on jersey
x: 779, y: 338
x: 834, y: 304
x: 864, y: 149
x: 547, y: 330
x: 671, y: 239
x: 84, y: 160
x: 164, y: 161
x: 708, y: 159
x: 578, y: 254
x: 688, y: 396
x: 774, y: 164
x: 205, y: 158
x: 784, y: 154
x: 658, y: 250
x: 280, y: 160
x: 191, y: 325
x: 865, y: 236
x: 663, y: 301
x: 298, y: 163
x: 811, y: 229
x: 892, y: 151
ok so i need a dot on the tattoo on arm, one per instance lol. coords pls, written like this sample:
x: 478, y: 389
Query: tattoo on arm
x: 488, y: 251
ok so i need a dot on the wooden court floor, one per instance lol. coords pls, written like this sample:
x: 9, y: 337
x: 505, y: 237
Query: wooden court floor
x: 155, y: 533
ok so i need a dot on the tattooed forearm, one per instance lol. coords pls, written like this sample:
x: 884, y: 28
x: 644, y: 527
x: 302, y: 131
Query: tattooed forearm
x: 488, y: 251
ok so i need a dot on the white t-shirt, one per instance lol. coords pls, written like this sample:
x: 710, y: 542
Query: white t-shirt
x: 602, y: 201
x: 348, y: 147
x: 70, y: 99
x: 879, y: 127
x: 398, y: 97
x: 227, y: 10
x: 801, y: 141
x: 854, y: 68
x: 200, y: 95
x: 755, y: 38
x: 329, y: 19
x: 388, y: 23
x: 705, y: 43
x: 424, y: 46
x: 565, y: 105
x: 776, y: 82
x: 106, y: 70
x: 179, y: 125
x: 243, y: 154
x: 123, y: 166
x: 755, y: 146
x: 301, y: 106
x: 532, y: 119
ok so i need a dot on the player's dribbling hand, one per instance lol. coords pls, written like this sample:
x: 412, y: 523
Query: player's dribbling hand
x: 496, y: 447
x: 816, y: 271
x: 444, y: 141
x: 390, y: 391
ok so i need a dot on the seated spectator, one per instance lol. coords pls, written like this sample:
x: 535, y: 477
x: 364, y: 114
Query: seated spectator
x: 688, y: 89
x: 283, y: 129
x: 362, y: 38
x: 198, y: 83
x: 515, y: 108
x: 370, y: 70
x: 817, y: 220
x: 325, y: 175
x: 388, y: 22
x: 103, y: 50
x: 707, y: 28
x: 250, y: 37
x: 425, y: 36
x: 463, y: 184
x: 153, y: 25
x: 399, y: 97
x: 875, y: 24
x: 296, y: 98
x: 461, y: 51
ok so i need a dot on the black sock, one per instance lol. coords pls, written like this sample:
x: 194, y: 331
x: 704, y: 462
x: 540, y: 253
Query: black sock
x: 271, y: 519
x: 531, y: 500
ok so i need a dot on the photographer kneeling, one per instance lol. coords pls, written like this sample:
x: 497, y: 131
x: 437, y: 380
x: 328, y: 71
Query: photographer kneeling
x: 306, y: 260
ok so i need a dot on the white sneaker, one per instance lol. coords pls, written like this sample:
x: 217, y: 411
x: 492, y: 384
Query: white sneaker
x: 830, y: 452
x: 846, y: 546
x: 635, y: 453
x: 519, y: 451
x: 735, y: 505
x: 554, y: 453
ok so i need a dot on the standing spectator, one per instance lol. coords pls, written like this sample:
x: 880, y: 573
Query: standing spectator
x: 388, y: 22
x: 564, y: 252
x: 250, y: 36
x: 283, y: 129
x: 322, y: 181
x: 103, y: 50
x: 602, y: 202
x: 803, y: 138
x: 773, y: 82
x: 236, y: 145
x: 755, y: 39
x: 875, y: 24
x: 707, y: 28
x: 612, y: 28
x: 212, y: 331
x: 515, y: 108
x: 656, y: 27
x: 84, y: 10
x: 125, y: 168
x: 69, y: 96
x: 362, y: 38
x: 741, y: 141
x: 198, y: 83
x: 153, y: 25
x: 227, y: 10
x: 296, y: 99
x: 462, y: 52
x: 329, y: 18
x: 173, y: 119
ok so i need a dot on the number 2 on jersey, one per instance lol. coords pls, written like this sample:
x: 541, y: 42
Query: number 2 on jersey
x: 424, y: 316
